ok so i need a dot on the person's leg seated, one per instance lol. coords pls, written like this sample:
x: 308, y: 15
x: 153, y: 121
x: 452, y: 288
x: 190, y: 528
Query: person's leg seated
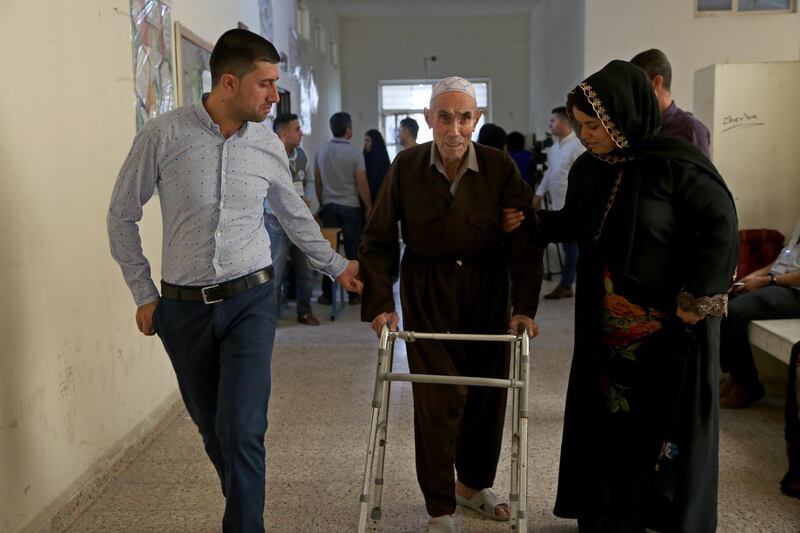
x: 736, y: 356
x: 247, y: 332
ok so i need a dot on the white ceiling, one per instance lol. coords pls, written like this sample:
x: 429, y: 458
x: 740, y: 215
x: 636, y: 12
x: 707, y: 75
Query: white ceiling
x: 422, y: 8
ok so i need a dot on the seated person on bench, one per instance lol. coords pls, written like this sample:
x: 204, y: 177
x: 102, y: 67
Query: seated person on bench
x: 770, y: 293
x: 454, y: 278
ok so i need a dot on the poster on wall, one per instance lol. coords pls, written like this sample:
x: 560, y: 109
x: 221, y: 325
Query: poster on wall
x: 151, y: 33
x: 194, y: 71
x: 265, y: 14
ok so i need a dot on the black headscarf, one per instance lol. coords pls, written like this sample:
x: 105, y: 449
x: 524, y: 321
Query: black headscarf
x: 376, y: 161
x: 623, y: 98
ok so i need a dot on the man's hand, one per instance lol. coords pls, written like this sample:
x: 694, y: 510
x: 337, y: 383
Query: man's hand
x: 688, y: 317
x: 144, y: 317
x: 379, y: 321
x: 512, y: 219
x: 751, y: 283
x: 521, y: 321
x: 537, y: 202
x: 349, y: 278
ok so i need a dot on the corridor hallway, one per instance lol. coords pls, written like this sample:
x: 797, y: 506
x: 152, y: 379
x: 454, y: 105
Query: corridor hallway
x: 319, y: 417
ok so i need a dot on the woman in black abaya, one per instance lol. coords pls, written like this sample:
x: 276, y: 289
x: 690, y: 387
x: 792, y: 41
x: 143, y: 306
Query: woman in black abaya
x: 657, y: 231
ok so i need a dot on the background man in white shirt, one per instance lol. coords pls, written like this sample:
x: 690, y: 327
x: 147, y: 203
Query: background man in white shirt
x: 565, y: 150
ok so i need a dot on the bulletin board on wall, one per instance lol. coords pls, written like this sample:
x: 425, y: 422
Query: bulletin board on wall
x: 192, y: 60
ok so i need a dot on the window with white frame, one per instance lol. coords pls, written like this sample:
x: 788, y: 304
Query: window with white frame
x: 746, y: 6
x: 401, y: 99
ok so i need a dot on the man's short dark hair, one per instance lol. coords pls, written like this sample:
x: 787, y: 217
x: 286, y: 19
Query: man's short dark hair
x: 411, y: 125
x: 237, y: 52
x: 282, y: 120
x: 655, y: 63
x: 560, y: 112
x: 515, y: 141
x: 340, y: 122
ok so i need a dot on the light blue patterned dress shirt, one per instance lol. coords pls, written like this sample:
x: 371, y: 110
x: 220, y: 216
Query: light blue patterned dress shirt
x: 212, y: 192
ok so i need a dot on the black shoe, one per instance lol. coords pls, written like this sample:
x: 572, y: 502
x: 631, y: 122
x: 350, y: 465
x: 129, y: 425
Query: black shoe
x: 735, y: 396
x: 308, y: 320
x: 324, y: 300
x: 790, y: 485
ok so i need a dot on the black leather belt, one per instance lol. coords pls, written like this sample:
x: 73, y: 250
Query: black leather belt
x: 212, y: 294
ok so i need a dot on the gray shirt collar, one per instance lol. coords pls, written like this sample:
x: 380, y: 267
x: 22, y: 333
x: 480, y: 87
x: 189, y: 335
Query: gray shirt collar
x: 205, y: 118
x: 469, y: 163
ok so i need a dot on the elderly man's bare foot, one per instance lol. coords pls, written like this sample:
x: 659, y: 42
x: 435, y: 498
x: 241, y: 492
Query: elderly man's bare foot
x: 501, y: 510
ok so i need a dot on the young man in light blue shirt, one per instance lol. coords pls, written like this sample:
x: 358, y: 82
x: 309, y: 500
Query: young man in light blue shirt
x: 214, y: 165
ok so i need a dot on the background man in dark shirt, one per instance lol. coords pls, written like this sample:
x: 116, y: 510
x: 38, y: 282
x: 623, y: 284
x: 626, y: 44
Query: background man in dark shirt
x: 675, y: 121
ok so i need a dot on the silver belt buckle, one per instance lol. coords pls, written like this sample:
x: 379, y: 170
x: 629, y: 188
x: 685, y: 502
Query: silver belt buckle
x: 205, y: 297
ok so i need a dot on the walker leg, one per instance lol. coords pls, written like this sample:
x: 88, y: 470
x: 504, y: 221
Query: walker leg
x: 524, y: 369
x: 513, y: 497
x: 383, y: 423
x: 377, y: 396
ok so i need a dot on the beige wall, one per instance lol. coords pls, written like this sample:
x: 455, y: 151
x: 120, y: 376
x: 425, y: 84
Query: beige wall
x: 619, y: 29
x: 77, y: 381
x: 557, y: 57
x: 751, y: 110
x: 495, y: 47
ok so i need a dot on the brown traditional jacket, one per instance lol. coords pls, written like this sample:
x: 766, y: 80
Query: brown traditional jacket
x: 457, y: 260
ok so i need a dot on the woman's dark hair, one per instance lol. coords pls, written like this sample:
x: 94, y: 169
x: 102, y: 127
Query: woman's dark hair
x: 237, y: 52
x: 340, y: 122
x: 576, y: 99
x: 376, y: 162
x: 377, y: 141
x: 515, y: 141
x: 492, y: 135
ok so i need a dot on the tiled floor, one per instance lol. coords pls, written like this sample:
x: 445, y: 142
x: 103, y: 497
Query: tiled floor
x: 319, y: 416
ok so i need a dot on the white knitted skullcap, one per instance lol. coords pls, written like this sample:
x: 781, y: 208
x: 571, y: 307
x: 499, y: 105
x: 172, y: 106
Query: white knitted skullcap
x: 451, y: 84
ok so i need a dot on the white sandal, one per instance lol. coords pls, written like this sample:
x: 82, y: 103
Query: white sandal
x: 442, y: 524
x: 485, y: 503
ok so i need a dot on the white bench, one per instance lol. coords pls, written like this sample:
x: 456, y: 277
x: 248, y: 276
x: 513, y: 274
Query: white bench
x: 776, y: 337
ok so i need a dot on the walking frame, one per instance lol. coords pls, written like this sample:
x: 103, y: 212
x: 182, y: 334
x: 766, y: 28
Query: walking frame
x: 519, y: 383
